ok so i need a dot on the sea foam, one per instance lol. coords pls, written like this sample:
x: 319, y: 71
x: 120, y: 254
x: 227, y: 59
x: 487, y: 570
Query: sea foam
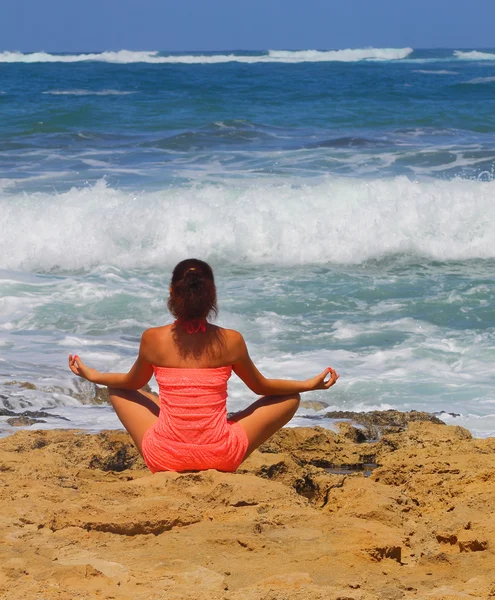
x: 333, y: 221
x: 154, y: 57
x: 348, y: 55
x: 435, y: 72
x: 87, y: 93
x: 481, y: 80
x: 474, y: 55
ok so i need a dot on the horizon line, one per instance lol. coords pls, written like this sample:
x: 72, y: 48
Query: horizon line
x: 238, y: 50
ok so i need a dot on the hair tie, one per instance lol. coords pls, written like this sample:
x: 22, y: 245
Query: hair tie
x: 187, y: 271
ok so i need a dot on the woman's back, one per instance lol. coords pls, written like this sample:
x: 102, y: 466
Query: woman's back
x: 192, y: 363
x: 196, y: 345
x: 192, y: 403
x: 192, y: 431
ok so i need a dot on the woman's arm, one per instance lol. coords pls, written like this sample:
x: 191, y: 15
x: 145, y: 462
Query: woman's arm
x: 256, y: 382
x: 138, y: 376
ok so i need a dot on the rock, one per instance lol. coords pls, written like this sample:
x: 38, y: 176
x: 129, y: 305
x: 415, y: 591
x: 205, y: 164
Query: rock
x: 124, y: 523
x: 23, y: 421
x: 289, y: 581
x: 469, y: 541
x: 113, y: 455
x: 15, y: 567
x: 81, y: 515
x: 97, y: 566
x: 100, y: 395
x: 30, y: 414
x: 379, y: 422
x: 26, y: 385
x: 313, y: 404
x: 381, y: 552
x: 199, y: 578
x: 321, y: 448
x: 353, y: 434
x: 450, y: 414
x: 447, y: 593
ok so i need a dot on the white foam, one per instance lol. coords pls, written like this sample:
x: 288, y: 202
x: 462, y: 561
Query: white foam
x: 72, y: 341
x: 6, y: 183
x: 154, y: 57
x: 481, y: 426
x: 347, y: 55
x: 122, y: 56
x: 14, y: 309
x: 343, y: 330
x: 474, y: 55
x: 88, y: 93
x: 401, y: 362
x: 478, y: 80
x: 435, y: 72
x: 88, y: 418
x: 334, y: 221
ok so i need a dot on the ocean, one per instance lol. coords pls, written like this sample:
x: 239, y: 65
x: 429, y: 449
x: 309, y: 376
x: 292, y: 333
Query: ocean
x: 345, y: 199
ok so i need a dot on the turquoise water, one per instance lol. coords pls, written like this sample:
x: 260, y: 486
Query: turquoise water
x: 344, y: 199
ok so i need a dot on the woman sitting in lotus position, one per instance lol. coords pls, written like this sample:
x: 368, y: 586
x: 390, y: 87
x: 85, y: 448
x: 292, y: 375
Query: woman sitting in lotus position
x: 186, y: 428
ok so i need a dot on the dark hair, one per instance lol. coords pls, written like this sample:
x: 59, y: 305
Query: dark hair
x: 193, y: 294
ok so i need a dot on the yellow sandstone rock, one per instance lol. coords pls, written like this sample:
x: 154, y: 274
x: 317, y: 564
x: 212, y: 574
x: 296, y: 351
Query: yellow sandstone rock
x: 81, y: 518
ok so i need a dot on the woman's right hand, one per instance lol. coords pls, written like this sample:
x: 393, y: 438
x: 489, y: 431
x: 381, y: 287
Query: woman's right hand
x: 320, y: 382
x: 77, y: 366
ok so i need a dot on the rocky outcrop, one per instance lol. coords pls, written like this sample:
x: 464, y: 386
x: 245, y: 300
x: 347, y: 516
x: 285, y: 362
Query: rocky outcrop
x: 376, y: 423
x: 82, y: 518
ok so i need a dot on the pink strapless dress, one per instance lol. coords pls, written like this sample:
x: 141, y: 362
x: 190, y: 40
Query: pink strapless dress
x: 192, y: 432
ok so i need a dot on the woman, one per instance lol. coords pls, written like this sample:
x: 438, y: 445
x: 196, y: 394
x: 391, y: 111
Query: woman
x: 192, y: 360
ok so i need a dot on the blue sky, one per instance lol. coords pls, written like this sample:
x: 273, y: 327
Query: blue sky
x: 65, y: 25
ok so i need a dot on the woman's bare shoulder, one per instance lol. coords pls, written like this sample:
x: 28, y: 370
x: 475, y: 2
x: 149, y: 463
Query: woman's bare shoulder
x: 234, y: 342
x: 155, y: 333
x: 231, y: 334
x: 154, y: 342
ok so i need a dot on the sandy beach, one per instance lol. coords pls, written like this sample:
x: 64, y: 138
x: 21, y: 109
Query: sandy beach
x: 81, y: 517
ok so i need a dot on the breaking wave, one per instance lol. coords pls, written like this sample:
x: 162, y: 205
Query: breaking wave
x: 155, y: 57
x: 334, y: 221
x: 474, y: 55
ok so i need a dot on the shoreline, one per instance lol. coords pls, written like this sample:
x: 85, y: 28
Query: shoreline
x: 81, y: 517
x: 372, y: 424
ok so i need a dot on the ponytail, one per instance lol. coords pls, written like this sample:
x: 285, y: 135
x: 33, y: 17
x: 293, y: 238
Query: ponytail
x: 193, y: 293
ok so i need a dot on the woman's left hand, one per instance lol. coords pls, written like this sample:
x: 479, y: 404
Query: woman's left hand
x: 320, y: 382
x: 77, y: 366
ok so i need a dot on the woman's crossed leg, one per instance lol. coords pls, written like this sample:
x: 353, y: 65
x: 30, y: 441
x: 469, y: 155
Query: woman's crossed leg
x: 138, y: 411
x: 265, y: 417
